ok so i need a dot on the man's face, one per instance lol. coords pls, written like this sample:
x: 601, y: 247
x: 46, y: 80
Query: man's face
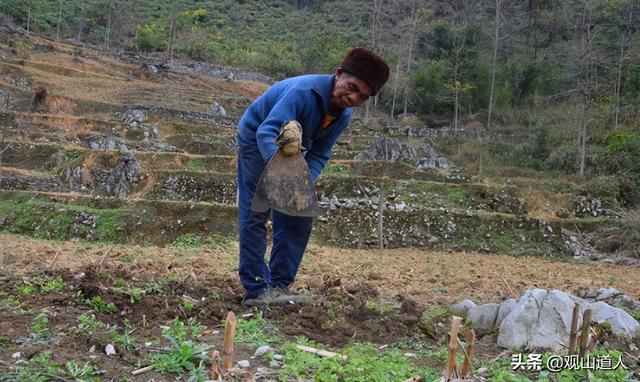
x: 349, y: 90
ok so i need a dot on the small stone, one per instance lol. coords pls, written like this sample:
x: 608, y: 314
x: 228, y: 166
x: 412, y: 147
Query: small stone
x: 274, y: 364
x: 109, y: 350
x: 16, y: 355
x: 262, y: 350
x: 244, y: 364
x: 462, y: 308
x: 277, y: 357
x: 92, y: 349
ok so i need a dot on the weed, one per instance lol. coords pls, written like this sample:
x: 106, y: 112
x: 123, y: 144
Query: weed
x: 126, y: 340
x: 370, y: 304
x: 38, y: 369
x: 82, y: 373
x: 435, y: 313
x: 181, y: 357
x: 187, y: 241
x: 214, y: 295
x: 11, y: 302
x: 127, y: 259
x: 197, y: 329
x: 334, y: 169
x: 90, y: 324
x: 219, y: 242
x: 98, y: 304
x: 4, y: 341
x: 256, y: 331
x: 39, y: 330
x: 363, y: 362
x: 156, y: 286
x: 187, y: 304
x: 196, y: 165
x: 134, y: 293
x: 49, y: 285
x: 634, y: 313
x: 183, y: 353
x: 27, y: 289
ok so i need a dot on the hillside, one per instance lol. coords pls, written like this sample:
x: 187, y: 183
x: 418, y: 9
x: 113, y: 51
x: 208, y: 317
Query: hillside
x: 117, y: 179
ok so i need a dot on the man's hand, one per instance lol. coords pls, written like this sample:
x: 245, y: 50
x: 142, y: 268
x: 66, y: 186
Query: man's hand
x: 290, y: 138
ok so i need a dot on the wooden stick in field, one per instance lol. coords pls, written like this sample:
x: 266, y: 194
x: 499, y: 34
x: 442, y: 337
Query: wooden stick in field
x: 468, y: 354
x: 573, y: 334
x: 229, y: 336
x: 584, y: 334
x: 452, y: 347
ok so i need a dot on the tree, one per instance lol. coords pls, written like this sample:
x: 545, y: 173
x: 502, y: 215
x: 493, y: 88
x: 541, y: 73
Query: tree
x: 494, y: 58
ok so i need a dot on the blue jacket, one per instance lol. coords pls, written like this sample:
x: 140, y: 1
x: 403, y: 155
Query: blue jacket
x: 304, y: 99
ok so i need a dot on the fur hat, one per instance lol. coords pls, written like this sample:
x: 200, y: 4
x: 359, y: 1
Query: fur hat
x: 368, y: 66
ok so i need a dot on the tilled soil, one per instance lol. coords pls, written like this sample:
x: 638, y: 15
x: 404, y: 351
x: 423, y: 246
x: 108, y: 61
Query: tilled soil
x: 338, y: 315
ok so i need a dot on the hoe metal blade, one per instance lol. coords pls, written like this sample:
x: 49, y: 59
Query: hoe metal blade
x: 286, y: 186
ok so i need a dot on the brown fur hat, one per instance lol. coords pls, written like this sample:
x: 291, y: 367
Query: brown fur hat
x: 368, y: 66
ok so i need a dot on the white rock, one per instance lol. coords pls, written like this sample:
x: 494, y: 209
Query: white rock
x: 244, y: 364
x: 505, y: 308
x: 109, y: 350
x: 277, y: 357
x: 483, y: 317
x: 274, y: 364
x: 621, y: 322
x: 462, y: 308
x: 540, y: 320
x: 262, y: 350
x: 16, y: 355
x: 92, y: 349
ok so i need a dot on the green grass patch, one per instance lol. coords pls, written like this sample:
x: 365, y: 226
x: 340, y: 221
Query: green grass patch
x: 188, y: 241
x: 99, y: 304
x: 363, y: 362
x: 256, y: 331
x: 41, y: 219
x: 196, y: 165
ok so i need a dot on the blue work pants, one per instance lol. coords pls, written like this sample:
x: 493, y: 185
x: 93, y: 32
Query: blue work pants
x: 290, y: 233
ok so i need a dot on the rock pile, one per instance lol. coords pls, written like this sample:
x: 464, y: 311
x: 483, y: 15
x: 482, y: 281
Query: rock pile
x: 584, y: 206
x: 392, y: 150
x: 542, y: 319
x: 124, y: 175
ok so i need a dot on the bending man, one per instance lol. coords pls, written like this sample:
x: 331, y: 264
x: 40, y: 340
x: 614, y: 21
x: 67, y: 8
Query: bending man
x: 319, y: 105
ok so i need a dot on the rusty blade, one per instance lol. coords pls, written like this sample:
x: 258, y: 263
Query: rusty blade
x: 286, y: 186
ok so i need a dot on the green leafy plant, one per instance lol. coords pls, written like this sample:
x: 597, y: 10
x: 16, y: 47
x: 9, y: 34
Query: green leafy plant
x: 39, y: 329
x: 183, y: 354
x: 81, y: 372
x: 90, y: 324
x: 187, y: 241
x: 218, y: 242
x: 126, y: 340
x: 54, y: 284
x: 98, y: 304
x: 362, y: 362
x: 256, y: 331
x: 187, y: 304
x: 134, y: 293
x: 11, y: 302
x: 27, y: 289
x: 39, y: 368
x: 156, y: 286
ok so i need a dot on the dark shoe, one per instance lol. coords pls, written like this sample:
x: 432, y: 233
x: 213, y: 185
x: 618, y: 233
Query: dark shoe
x: 288, y: 296
x: 276, y: 296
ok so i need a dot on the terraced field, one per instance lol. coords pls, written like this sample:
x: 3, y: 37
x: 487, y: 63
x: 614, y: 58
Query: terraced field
x: 103, y: 151
x: 73, y: 113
